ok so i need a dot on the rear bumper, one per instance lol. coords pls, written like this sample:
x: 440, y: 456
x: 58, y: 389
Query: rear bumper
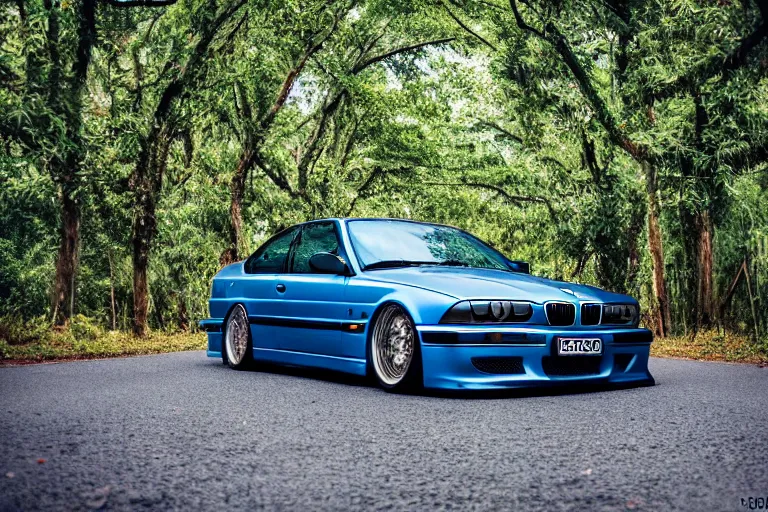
x: 213, y: 327
x: 463, y: 357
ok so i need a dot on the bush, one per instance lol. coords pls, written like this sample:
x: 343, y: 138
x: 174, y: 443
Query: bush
x: 83, y: 328
x: 84, y: 338
x: 15, y: 331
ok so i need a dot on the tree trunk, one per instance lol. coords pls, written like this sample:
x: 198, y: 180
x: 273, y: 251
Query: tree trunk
x: 112, y: 291
x: 633, y: 260
x: 704, y: 298
x: 183, y: 314
x: 65, y: 169
x: 662, y: 315
x: 66, y: 263
x: 146, y: 183
x: 143, y: 232
x: 697, y: 296
x: 238, y: 245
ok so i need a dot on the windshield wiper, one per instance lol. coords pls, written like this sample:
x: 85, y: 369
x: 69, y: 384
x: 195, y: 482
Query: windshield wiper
x: 412, y: 263
x: 396, y: 264
x: 451, y: 263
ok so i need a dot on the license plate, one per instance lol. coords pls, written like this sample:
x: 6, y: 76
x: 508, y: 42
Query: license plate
x: 579, y: 346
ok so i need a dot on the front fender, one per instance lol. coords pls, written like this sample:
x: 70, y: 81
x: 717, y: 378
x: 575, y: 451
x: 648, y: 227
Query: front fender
x: 424, y: 306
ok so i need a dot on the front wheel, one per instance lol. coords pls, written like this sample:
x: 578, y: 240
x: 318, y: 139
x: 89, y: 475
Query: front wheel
x: 394, y: 350
x: 237, y: 340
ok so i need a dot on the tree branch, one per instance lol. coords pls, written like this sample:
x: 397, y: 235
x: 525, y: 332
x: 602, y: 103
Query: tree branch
x: 362, y: 189
x: 553, y: 160
x: 313, y: 47
x: 503, y: 131
x: 491, y: 4
x: 87, y: 38
x: 368, y: 46
x: 139, y: 3
x: 350, y: 144
x: 466, y: 28
x: 373, y: 60
x: 511, y: 198
x: 716, y: 64
x: 276, y: 177
x: 177, y: 86
x: 324, y: 69
x: 757, y: 154
x: 521, y: 22
x: 229, y: 39
x: 333, y: 102
x: 330, y: 107
x: 602, y: 112
x: 377, y: 171
x: 558, y: 41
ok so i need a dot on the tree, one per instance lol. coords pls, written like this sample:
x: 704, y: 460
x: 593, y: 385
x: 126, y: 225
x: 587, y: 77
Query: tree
x: 376, y: 35
x: 305, y: 38
x: 54, y: 78
x: 147, y: 178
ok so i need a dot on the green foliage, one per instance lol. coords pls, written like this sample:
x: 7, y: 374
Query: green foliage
x: 34, y: 341
x: 713, y: 346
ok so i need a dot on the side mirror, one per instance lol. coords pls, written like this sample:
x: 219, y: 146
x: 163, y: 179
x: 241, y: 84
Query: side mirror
x: 521, y: 266
x: 327, y: 263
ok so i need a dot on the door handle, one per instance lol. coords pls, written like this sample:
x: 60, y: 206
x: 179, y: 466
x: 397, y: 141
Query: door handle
x: 280, y: 287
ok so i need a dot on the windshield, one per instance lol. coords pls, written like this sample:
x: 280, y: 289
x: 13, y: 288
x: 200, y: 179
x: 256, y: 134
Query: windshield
x: 392, y: 243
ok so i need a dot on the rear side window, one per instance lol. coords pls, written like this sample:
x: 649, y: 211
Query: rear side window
x: 314, y: 238
x: 270, y: 257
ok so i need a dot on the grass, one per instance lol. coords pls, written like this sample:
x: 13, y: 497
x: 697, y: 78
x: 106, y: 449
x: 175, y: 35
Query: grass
x: 31, y: 342
x: 713, y: 346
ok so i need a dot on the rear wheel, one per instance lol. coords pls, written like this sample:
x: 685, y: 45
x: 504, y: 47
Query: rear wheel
x: 394, y: 350
x: 238, y: 351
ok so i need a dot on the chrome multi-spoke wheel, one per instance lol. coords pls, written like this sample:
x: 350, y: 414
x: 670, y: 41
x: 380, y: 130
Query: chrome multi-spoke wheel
x: 393, y: 345
x: 237, y: 337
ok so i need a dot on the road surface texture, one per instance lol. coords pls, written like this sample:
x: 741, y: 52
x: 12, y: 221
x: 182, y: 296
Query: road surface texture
x: 181, y: 431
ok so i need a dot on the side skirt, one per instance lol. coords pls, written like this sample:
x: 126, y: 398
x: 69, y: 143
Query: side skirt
x: 288, y: 357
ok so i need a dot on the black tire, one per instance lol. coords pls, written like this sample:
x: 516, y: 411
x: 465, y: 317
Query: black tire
x: 237, y: 356
x: 385, y: 343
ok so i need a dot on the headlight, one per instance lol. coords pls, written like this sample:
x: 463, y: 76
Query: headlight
x: 621, y: 314
x: 487, y: 311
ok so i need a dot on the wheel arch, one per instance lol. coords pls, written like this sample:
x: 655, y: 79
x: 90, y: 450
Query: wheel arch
x: 372, y: 322
x: 224, y: 327
x: 425, y: 307
x: 231, y: 308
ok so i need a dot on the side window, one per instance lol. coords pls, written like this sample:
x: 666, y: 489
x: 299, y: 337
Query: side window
x: 269, y: 258
x: 314, y: 238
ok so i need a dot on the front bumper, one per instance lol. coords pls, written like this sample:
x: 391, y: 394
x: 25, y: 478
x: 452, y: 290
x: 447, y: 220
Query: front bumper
x: 479, y: 357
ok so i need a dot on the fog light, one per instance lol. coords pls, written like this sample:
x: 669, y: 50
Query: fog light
x: 495, y: 337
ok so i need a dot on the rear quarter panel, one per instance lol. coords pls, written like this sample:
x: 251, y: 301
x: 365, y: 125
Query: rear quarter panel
x: 255, y: 291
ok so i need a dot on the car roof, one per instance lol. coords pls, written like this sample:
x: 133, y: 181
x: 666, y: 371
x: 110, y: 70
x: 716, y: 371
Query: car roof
x: 347, y: 219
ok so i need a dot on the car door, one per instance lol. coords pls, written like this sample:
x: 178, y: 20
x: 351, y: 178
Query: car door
x: 310, y: 303
x: 258, y: 287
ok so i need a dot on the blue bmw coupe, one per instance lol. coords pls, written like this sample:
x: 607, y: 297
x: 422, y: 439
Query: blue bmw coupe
x: 419, y: 305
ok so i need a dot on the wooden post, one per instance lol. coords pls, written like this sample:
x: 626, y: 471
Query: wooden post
x: 732, y: 289
x: 743, y: 271
x: 751, y: 298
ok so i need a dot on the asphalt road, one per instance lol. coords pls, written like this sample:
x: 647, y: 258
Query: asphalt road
x: 181, y: 431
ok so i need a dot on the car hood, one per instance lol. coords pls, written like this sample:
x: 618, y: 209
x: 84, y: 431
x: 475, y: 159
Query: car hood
x: 476, y: 283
